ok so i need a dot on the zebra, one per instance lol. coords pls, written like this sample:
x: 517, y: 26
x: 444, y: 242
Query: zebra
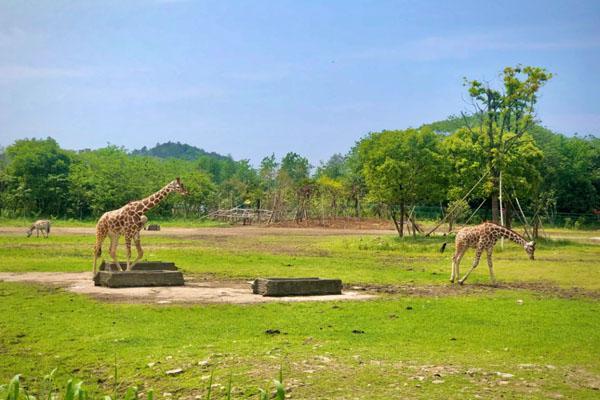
x: 39, y: 225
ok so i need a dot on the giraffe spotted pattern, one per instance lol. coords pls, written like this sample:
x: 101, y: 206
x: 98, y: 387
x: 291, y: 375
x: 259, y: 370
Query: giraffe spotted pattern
x: 129, y: 221
x: 483, y: 237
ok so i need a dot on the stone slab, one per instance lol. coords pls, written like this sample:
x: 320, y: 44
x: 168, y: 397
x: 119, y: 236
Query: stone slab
x: 140, y: 266
x: 278, y: 287
x: 138, y: 278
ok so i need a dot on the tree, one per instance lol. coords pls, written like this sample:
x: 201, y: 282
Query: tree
x: 505, y: 116
x: 334, y: 168
x: 37, y: 173
x: 466, y: 154
x: 402, y: 168
x: 296, y: 167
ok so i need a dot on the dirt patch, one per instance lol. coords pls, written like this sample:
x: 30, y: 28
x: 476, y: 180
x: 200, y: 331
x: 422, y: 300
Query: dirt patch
x: 542, y: 288
x: 194, y: 291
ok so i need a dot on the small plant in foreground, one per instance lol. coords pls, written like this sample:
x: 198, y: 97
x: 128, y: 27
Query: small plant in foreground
x: 75, y: 391
x: 72, y: 391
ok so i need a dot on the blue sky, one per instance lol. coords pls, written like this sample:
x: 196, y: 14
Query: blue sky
x: 249, y: 78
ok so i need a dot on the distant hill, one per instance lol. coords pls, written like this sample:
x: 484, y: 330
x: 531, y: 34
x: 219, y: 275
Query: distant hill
x: 452, y: 123
x: 177, y: 150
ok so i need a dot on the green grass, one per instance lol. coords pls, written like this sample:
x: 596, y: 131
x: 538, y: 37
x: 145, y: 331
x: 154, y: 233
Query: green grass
x: 549, y: 342
x: 49, y: 328
x: 354, y: 259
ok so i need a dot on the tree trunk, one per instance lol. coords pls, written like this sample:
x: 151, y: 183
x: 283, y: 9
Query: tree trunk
x: 414, y: 225
x: 393, y: 215
x: 402, y: 218
x: 495, y: 208
x: 495, y: 180
x: 536, y: 227
x: 508, y: 217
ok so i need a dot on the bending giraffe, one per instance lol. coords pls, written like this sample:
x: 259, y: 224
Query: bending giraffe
x: 129, y: 221
x: 483, y: 237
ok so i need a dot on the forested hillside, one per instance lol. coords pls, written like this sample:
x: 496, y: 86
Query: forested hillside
x: 418, y: 167
x: 496, y: 159
x: 177, y: 150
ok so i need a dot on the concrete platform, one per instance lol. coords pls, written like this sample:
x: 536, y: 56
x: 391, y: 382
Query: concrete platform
x: 140, y: 266
x: 138, y: 278
x: 278, y: 287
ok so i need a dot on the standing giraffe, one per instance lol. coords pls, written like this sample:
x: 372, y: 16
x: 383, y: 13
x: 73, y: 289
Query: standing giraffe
x: 128, y: 221
x: 39, y: 225
x: 483, y: 237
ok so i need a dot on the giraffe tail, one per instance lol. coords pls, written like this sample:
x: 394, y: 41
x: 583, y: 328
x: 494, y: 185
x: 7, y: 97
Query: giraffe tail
x: 445, y: 242
x: 98, y: 247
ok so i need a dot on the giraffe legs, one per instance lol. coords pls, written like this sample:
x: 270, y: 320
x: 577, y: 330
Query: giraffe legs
x: 475, y: 264
x: 128, y: 250
x: 138, y: 246
x: 114, y: 241
x: 489, y: 261
x: 458, y: 255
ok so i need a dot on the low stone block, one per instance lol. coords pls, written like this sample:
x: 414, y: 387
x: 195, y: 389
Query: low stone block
x: 296, y: 286
x: 138, y: 278
x: 140, y: 266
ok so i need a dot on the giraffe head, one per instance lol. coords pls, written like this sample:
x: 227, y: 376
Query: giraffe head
x: 177, y: 186
x: 530, y: 249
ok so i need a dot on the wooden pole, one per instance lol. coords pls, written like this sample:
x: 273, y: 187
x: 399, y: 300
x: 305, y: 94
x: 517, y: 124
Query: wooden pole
x: 501, y: 213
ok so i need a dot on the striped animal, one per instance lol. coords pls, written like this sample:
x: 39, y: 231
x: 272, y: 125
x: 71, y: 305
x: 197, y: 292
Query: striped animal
x: 39, y: 225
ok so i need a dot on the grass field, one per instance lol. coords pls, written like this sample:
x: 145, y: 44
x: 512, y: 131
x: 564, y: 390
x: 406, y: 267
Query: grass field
x: 536, y: 336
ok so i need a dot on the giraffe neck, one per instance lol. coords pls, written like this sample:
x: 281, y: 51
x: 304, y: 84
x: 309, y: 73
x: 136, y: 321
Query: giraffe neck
x: 152, y: 201
x: 511, y: 235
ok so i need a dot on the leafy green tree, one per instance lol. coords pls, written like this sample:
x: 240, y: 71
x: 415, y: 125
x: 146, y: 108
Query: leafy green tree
x: 331, y: 191
x: 296, y: 167
x: 334, y: 168
x: 505, y: 116
x: 402, y: 168
x: 200, y: 189
x: 466, y: 153
x: 37, y: 177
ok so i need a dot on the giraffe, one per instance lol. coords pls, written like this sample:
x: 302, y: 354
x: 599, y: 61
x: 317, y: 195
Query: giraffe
x: 129, y: 221
x: 483, y: 237
x: 39, y: 225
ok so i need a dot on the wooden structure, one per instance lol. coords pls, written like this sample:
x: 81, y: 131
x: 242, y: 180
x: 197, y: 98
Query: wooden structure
x: 244, y: 215
x: 278, y: 287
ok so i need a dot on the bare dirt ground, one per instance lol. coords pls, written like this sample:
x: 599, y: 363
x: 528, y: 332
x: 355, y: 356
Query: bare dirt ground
x: 194, y: 291
x: 545, y: 289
